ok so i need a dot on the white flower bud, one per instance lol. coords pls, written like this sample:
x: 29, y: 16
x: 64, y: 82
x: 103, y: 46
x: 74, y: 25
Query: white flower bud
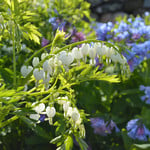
x: 35, y: 61
x: 50, y: 111
x: 44, y: 55
x: 38, y: 74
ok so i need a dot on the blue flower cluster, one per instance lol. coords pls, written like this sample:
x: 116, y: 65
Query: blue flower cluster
x: 133, y: 32
x: 145, y: 97
x: 103, y: 128
x: 103, y: 31
x: 137, y: 130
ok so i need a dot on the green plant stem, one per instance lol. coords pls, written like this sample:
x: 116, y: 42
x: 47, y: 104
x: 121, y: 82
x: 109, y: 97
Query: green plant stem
x: 14, y: 57
x: 8, y: 121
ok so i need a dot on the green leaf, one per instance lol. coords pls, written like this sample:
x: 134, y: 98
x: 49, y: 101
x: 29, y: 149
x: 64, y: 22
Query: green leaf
x: 140, y: 147
x: 56, y: 139
x: 35, y: 127
x: 81, y: 143
x: 69, y: 143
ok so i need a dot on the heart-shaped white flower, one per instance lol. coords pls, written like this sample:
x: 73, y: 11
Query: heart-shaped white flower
x: 50, y: 111
x: 77, y: 53
x: 25, y: 70
x: 38, y: 74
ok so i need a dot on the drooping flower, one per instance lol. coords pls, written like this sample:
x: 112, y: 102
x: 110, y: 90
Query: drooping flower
x: 50, y: 112
x: 39, y: 109
x: 137, y: 130
x: 35, y: 61
x: 25, y: 70
x: 103, y: 128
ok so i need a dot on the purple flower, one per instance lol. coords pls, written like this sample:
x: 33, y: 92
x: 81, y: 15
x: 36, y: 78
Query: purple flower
x: 137, y: 130
x: 78, y: 36
x: 44, y: 42
x: 103, y: 128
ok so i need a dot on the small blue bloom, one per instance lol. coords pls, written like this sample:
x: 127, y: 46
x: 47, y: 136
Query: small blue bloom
x: 145, y: 97
x: 42, y: 117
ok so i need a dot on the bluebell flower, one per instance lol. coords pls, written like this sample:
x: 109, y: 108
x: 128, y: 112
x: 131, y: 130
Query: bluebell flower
x: 103, y: 128
x: 137, y: 130
x: 145, y: 97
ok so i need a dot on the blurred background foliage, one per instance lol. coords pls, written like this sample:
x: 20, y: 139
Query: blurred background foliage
x: 34, y: 20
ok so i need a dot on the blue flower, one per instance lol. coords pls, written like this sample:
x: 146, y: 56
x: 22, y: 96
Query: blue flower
x: 145, y: 97
x: 42, y: 117
x: 103, y: 128
x: 137, y: 130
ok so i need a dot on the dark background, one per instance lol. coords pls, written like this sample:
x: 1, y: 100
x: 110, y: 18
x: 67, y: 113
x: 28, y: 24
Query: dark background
x: 107, y: 10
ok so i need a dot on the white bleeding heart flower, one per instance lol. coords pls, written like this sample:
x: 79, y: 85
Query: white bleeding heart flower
x: 84, y: 49
x: 92, y: 52
x: 47, y: 67
x: 50, y: 111
x: 46, y: 78
x: 69, y: 59
x: 35, y: 116
x: 66, y: 58
x: 25, y: 70
x: 77, y: 53
x: 75, y: 115
x: 39, y: 110
x: 66, y: 106
x: 35, y: 61
x: 38, y: 74
x: 69, y: 111
x: 44, y: 55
